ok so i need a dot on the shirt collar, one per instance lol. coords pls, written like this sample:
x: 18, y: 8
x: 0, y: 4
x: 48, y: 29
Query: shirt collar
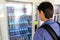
x: 49, y: 22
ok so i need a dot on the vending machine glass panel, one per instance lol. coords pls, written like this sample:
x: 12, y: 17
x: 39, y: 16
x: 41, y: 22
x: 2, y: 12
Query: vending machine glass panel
x: 19, y: 21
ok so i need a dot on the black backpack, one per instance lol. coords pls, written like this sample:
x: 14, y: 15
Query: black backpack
x: 51, y: 31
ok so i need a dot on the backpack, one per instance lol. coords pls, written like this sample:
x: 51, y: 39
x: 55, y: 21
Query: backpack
x: 51, y: 31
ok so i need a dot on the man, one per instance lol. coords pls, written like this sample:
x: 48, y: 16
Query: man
x: 46, y: 14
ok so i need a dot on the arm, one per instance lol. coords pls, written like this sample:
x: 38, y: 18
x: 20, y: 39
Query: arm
x: 38, y: 35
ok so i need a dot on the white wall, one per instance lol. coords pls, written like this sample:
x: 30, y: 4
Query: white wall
x: 57, y: 2
x: 3, y: 21
x: 0, y: 31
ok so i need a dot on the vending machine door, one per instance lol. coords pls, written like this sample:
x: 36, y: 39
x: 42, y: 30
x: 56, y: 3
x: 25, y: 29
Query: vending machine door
x: 19, y: 21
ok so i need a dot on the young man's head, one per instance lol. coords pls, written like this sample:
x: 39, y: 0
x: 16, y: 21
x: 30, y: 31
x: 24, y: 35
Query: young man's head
x: 45, y: 11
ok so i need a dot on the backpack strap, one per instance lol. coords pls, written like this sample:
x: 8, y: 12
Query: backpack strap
x: 50, y: 31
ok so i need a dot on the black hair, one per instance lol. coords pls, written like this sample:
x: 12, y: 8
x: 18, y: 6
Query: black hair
x: 47, y: 8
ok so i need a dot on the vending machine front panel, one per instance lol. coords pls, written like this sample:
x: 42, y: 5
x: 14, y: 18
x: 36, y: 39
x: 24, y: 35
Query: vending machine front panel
x: 20, y: 21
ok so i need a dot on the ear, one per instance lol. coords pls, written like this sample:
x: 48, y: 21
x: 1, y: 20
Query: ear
x: 42, y: 12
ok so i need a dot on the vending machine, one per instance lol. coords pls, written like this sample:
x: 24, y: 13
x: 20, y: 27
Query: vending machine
x: 19, y: 21
x: 57, y: 13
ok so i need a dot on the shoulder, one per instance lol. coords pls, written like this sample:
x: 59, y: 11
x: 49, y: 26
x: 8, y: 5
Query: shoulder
x: 39, y: 34
x: 41, y: 31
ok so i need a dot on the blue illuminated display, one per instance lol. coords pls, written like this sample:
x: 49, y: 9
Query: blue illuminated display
x: 20, y: 26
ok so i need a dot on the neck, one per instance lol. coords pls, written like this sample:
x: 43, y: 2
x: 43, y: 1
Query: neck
x: 48, y: 19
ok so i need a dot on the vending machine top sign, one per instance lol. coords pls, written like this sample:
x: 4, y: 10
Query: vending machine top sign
x: 20, y: 0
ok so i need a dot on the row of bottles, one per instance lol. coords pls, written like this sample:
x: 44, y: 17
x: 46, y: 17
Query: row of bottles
x: 19, y: 28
